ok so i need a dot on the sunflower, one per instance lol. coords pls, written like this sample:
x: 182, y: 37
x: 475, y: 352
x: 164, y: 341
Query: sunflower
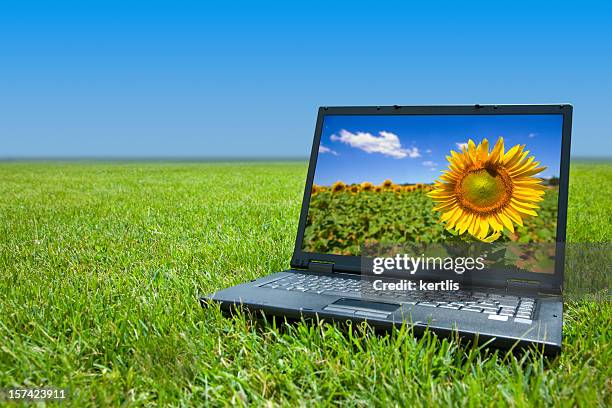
x: 408, y: 188
x: 378, y: 189
x: 387, y: 183
x: 367, y: 186
x: 338, y: 186
x: 315, y: 189
x: 484, y: 192
x: 398, y: 189
x: 354, y: 188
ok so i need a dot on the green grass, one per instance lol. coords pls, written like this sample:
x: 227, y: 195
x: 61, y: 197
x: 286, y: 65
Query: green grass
x: 101, y: 265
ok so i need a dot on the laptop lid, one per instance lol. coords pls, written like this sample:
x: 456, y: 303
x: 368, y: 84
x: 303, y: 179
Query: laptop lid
x: 496, y: 175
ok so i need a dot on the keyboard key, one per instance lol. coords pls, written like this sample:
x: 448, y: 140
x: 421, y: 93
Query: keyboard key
x: 339, y: 293
x: 449, y: 307
x: 503, y: 296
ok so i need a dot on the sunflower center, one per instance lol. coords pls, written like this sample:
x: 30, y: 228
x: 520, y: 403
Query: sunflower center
x: 484, y: 190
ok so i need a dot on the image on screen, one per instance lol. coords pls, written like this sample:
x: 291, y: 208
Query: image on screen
x: 434, y: 178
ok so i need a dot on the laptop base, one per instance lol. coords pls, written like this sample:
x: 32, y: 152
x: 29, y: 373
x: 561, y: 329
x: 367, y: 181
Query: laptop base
x: 544, y: 331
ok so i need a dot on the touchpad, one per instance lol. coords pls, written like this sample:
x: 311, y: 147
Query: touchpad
x: 363, y: 307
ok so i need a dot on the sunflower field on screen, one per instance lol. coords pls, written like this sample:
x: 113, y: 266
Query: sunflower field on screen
x: 487, y: 195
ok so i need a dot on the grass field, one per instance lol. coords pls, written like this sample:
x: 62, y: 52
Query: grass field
x: 101, y: 265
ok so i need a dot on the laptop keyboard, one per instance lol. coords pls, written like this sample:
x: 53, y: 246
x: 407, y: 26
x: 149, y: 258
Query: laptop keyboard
x: 467, y: 301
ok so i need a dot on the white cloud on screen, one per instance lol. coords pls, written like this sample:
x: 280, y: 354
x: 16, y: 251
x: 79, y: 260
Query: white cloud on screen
x: 323, y: 149
x: 430, y: 164
x: 386, y: 143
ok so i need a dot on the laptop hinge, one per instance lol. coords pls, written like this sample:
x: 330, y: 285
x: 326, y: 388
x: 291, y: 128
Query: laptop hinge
x: 319, y: 266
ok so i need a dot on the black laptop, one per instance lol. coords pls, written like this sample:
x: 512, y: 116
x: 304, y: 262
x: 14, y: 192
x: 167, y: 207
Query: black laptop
x: 450, y: 218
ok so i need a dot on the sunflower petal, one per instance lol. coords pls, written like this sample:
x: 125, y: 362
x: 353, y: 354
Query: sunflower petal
x: 523, y: 204
x: 511, y: 153
x: 531, y: 172
x: 447, y: 215
x: 506, y: 221
x: 514, y: 216
x: 484, y: 226
x: 492, y: 237
x: 483, y: 150
x: 498, y: 151
x: 495, y: 224
x: 453, y: 220
x: 463, y: 225
x: 517, y: 159
x: 473, y: 228
x: 524, y: 210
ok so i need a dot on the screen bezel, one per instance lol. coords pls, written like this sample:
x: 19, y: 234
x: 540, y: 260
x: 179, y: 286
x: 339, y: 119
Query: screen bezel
x: 486, y: 277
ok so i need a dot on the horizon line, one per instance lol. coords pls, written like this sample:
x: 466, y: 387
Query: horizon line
x: 203, y: 158
x: 154, y: 158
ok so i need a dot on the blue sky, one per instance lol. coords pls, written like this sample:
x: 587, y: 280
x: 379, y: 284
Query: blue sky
x: 413, y: 149
x: 236, y: 79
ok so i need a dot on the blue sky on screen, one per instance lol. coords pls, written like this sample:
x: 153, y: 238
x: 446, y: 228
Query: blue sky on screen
x: 413, y: 148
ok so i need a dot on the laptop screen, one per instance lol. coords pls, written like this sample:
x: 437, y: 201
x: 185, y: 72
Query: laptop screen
x: 434, y: 179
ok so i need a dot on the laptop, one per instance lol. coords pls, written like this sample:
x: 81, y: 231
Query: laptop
x: 446, y: 218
